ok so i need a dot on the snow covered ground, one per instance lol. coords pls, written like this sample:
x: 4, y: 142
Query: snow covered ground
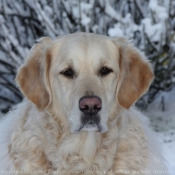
x: 163, y: 122
x: 167, y: 140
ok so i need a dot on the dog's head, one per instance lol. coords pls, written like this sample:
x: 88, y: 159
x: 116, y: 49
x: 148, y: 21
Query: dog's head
x: 82, y: 76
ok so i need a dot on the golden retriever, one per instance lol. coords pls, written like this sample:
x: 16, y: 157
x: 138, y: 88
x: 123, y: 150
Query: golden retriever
x: 78, y: 116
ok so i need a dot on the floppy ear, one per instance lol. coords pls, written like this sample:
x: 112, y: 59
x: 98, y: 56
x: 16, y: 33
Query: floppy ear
x: 33, y: 76
x: 136, y: 74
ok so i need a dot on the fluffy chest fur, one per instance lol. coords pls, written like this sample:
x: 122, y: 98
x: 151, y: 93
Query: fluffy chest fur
x: 113, y: 151
x: 36, y: 142
x: 82, y: 151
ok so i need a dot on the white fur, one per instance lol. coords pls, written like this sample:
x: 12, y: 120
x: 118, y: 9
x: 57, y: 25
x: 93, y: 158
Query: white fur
x: 88, y: 151
x: 35, y: 140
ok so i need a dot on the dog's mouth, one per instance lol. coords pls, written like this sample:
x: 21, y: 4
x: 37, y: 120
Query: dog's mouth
x: 90, y: 127
x: 90, y: 123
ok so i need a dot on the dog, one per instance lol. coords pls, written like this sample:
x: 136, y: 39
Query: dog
x: 78, y: 114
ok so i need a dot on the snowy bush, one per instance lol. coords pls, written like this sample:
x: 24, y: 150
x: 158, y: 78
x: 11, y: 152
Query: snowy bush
x: 150, y: 24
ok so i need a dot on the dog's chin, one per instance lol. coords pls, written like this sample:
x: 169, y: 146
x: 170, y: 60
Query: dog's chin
x: 90, y: 127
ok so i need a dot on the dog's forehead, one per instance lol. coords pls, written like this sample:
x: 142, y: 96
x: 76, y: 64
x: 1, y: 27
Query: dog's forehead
x: 83, y: 48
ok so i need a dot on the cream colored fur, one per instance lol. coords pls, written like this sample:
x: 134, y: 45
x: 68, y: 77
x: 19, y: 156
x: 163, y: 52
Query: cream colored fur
x: 40, y: 135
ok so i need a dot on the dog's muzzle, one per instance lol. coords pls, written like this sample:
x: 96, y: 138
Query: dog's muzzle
x: 90, y: 119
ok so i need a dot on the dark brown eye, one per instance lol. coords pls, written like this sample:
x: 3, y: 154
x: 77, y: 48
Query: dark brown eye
x: 68, y: 73
x: 105, y: 71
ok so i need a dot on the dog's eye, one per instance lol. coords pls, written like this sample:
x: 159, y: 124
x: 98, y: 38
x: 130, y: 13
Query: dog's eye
x: 105, y: 71
x: 68, y: 73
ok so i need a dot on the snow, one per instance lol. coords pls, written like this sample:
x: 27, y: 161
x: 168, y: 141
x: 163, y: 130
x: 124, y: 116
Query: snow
x: 163, y: 122
x: 116, y: 31
x: 167, y: 140
x: 85, y: 8
x: 111, y: 12
x: 160, y: 11
x: 50, y: 26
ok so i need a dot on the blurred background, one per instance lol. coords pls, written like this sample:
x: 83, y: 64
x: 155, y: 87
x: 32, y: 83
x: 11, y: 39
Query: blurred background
x: 149, y: 24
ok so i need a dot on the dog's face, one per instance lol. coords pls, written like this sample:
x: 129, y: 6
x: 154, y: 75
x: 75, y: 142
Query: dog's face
x: 84, y: 75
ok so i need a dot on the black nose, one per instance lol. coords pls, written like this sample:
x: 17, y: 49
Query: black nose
x: 90, y: 105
